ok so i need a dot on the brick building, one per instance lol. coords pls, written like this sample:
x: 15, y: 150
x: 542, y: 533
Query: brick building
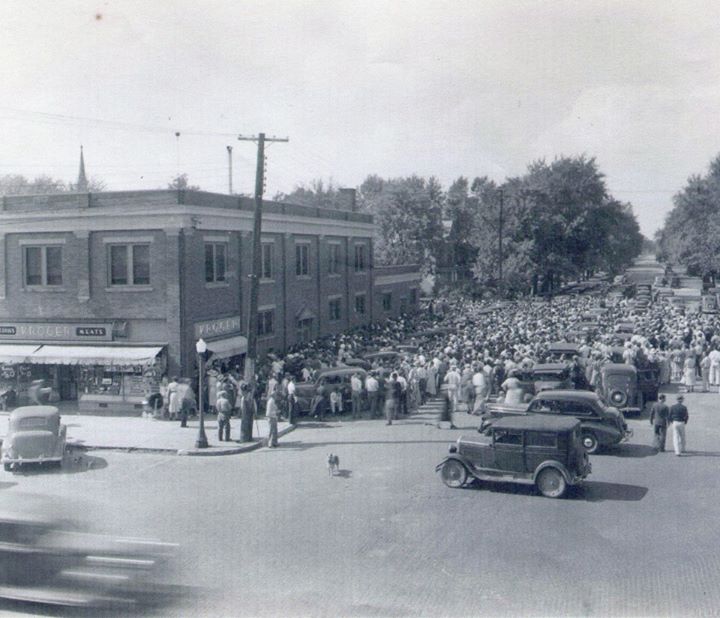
x: 102, y: 293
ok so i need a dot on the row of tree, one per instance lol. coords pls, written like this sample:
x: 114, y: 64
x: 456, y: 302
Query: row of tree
x: 16, y: 184
x: 557, y: 221
x: 691, y: 234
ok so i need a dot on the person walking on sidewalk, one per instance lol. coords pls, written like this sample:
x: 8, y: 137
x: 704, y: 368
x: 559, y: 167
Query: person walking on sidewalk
x: 392, y: 397
x: 224, y: 411
x: 173, y: 399
x: 659, y: 420
x: 356, y: 388
x: 272, y: 411
x: 372, y: 387
x: 247, y: 409
x: 678, y: 417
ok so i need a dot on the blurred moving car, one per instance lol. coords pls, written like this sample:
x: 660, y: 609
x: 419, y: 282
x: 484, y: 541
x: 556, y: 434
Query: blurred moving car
x: 48, y: 557
x: 35, y: 435
x: 539, y: 450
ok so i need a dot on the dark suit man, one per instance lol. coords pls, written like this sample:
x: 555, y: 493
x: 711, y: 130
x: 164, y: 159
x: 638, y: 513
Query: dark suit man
x: 659, y: 420
x: 247, y: 410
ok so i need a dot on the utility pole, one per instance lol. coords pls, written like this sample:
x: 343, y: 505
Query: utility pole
x: 500, y: 243
x: 251, y: 357
x: 229, y: 151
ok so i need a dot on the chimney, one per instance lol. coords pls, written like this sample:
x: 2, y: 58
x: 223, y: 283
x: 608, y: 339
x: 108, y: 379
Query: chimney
x: 348, y: 199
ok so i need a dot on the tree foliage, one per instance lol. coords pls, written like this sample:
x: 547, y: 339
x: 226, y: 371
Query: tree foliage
x: 182, y: 183
x: 16, y: 184
x: 691, y: 234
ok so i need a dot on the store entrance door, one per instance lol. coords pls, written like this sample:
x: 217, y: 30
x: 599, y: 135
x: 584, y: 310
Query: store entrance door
x: 66, y: 383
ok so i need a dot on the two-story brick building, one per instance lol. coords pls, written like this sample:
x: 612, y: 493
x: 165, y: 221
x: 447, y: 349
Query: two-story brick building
x: 103, y: 293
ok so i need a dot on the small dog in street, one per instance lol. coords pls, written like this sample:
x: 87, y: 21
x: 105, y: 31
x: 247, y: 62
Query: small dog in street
x: 333, y: 464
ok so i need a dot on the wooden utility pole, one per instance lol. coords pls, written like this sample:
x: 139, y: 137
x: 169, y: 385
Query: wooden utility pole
x: 229, y: 151
x: 251, y: 356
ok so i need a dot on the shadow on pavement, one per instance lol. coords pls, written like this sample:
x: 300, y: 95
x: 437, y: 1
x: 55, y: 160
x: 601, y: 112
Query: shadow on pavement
x: 634, y: 450
x: 699, y: 453
x: 303, y: 446
x: 345, y: 474
x: 599, y: 491
x: 73, y: 463
x: 5, y: 485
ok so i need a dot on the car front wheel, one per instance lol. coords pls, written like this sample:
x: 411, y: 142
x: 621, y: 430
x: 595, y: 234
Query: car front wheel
x: 551, y: 483
x: 453, y: 473
x: 590, y: 442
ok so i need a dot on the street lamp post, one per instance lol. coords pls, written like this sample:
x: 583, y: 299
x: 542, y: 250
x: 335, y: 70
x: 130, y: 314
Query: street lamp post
x: 201, y: 349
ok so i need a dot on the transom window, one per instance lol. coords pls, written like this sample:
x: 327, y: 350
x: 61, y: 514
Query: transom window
x: 302, y: 260
x: 43, y: 265
x: 215, y: 262
x: 129, y: 264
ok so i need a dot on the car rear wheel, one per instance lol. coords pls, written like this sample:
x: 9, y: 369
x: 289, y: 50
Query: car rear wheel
x: 551, y: 483
x: 590, y: 442
x: 453, y: 473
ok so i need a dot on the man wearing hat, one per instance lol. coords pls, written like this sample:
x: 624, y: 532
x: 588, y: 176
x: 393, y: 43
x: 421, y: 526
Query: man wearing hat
x: 678, y: 418
x: 224, y: 410
x: 659, y: 420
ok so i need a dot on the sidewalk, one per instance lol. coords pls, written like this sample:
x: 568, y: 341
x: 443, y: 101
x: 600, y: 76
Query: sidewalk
x: 137, y: 434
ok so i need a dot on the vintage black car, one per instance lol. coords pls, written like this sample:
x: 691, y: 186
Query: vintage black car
x: 601, y: 425
x: 562, y: 351
x: 545, y: 376
x: 628, y: 388
x: 541, y: 450
x: 338, y: 377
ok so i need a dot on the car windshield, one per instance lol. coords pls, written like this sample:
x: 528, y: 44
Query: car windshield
x: 556, y: 376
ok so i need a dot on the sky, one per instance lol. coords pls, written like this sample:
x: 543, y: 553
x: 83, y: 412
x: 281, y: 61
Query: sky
x: 443, y: 88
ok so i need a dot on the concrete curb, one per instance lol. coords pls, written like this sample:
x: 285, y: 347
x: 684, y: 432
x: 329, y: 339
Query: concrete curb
x: 190, y: 452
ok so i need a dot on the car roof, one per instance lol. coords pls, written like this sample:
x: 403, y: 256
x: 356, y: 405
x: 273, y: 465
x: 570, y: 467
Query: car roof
x: 29, y: 411
x: 619, y: 368
x: 382, y: 353
x: 567, y: 395
x: 536, y: 422
x: 549, y: 367
x: 564, y: 346
x: 341, y: 371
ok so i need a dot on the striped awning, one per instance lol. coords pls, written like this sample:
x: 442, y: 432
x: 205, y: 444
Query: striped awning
x: 121, y: 356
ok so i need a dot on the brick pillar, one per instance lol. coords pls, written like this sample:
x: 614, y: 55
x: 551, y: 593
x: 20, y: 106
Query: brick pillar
x: 83, y: 265
x: 171, y: 271
x: 3, y: 267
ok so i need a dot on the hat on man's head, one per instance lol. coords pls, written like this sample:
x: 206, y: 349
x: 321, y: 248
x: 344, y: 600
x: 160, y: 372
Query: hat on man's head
x: 661, y: 397
x: 680, y: 398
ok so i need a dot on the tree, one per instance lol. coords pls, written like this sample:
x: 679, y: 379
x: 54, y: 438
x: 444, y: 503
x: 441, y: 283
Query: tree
x: 16, y: 184
x: 181, y: 183
x: 408, y: 219
x: 317, y: 194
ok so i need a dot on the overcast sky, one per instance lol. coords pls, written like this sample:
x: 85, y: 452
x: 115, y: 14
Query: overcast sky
x: 388, y: 87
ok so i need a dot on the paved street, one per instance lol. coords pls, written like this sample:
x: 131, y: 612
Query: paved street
x: 269, y: 533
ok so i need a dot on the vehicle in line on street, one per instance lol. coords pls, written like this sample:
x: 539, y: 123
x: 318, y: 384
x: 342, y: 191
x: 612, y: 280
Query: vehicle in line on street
x: 541, y: 450
x: 35, y: 436
x: 357, y: 362
x: 619, y: 388
x: 545, y: 376
x: 382, y: 357
x: 602, y: 425
x: 709, y: 303
x: 562, y: 351
x: 336, y: 378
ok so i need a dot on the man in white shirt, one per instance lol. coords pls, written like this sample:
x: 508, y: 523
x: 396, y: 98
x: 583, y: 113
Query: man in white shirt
x: 714, y: 367
x: 452, y: 379
x: 480, y: 384
x: 372, y: 386
x: 356, y: 387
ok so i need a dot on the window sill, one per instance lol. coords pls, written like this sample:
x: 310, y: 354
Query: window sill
x: 303, y: 277
x: 333, y: 275
x: 45, y: 288
x: 129, y: 288
x: 266, y: 337
x: 216, y: 284
x: 361, y: 272
x: 267, y: 280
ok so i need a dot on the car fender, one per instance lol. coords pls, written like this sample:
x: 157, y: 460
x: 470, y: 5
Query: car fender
x: 604, y: 434
x: 553, y: 464
x: 456, y: 457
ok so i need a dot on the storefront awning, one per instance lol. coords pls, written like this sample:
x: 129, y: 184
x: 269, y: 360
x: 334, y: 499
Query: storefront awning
x: 16, y: 353
x: 93, y: 355
x: 225, y: 348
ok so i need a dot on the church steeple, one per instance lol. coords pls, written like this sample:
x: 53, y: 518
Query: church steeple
x: 82, y: 183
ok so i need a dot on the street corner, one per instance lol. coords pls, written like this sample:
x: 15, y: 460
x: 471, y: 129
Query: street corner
x: 233, y: 448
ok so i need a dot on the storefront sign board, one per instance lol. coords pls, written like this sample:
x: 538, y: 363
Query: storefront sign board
x: 55, y: 331
x: 217, y: 328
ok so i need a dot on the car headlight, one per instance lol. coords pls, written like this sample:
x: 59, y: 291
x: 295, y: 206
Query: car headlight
x: 452, y: 448
x: 618, y: 397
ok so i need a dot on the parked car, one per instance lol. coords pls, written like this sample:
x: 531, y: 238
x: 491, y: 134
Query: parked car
x: 541, y: 450
x: 546, y: 376
x: 562, y: 351
x: 620, y: 387
x: 383, y: 357
x: 339, y: 377
x: 35, y: 435
x: 601, y: 425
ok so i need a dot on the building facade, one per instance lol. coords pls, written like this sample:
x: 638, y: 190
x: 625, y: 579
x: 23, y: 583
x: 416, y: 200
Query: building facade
x: 104, y: 293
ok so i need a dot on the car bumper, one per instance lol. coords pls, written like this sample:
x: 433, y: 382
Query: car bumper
x: 21, y: 460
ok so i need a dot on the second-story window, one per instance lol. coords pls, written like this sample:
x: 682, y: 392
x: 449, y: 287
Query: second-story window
x: 333, y: 259
x: 334, y: 309
x: 129, y: 264
x: 43, y: 266
x: 268, y: 253
x: 215, y: 262
x: 302, y: 260
x: 360, y: 258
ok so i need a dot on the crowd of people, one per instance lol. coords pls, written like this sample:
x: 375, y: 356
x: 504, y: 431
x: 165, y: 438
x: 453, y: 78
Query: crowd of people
x: 470, y: 350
